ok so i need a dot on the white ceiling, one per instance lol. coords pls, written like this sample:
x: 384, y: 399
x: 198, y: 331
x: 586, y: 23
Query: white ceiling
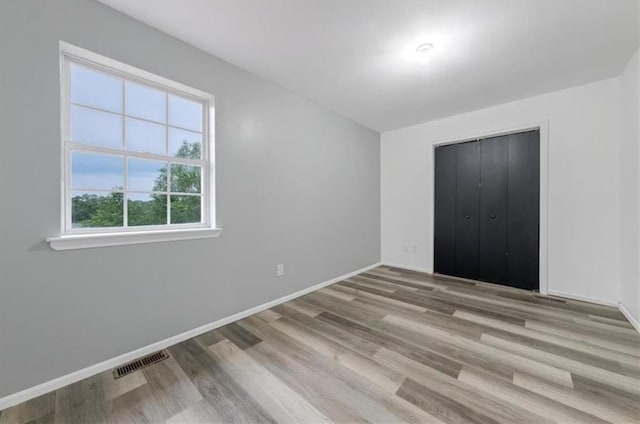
x: 358, y: 58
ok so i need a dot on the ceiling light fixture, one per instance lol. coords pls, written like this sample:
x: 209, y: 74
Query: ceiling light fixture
x: 424, y: 48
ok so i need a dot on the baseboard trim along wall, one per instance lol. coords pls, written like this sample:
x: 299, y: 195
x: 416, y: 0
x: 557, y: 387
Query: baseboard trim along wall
x: 633, y: 320
x: 48, y: 386
x: 581, y: 298
x: 410, y: 268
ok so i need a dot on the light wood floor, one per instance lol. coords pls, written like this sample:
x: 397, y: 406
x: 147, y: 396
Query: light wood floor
x: 387, y: 346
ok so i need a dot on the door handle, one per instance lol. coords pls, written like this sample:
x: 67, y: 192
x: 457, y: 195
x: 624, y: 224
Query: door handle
x: 493, y: 216
x: 467, y: 216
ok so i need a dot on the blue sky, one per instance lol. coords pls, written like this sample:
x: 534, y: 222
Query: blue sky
x: 95, y: 171
x: 95, y: 127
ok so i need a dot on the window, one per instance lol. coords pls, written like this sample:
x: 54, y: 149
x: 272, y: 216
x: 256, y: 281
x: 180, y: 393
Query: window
x: 135, y: 150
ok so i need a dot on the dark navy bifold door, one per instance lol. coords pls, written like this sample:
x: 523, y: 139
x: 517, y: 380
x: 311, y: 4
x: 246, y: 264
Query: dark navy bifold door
x: 524, y: 210
x: 467, y: 209
x: 493, y: 209
x: 445, y: 201
x: 487, y: 203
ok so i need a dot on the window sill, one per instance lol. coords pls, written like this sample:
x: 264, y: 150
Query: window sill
x: 87, y: 241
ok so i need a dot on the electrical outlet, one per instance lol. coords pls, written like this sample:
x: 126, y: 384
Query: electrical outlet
x: 280, y: 270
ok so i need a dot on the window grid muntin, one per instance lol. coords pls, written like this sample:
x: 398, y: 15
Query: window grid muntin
x: 71, y: 146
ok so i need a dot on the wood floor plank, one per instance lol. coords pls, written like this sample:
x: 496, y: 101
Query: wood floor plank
x: 525, y: 310
x: 171, y: 386
x: 606, y: 326
x: 303, y: 307
x: 439, y: 392
x: 608, y: 343
x: 444, y: 356
x: 437, y: 360
x: 448, y: 410
x: 383, y: 301
x: 268, y: 315
x: 230, y: 400
x: 432, y: 280
x: 83, y: 402
x: 386, y: 346
x: 114, y: 388
x: 339, y: 402
x: 469, y: 305
x: 612, y: 394
x: 590, y: 404
x: 239, y: 336
x: 387, y: 409
x: 580, y: 346
x: 138, y: 406
x: 400, y: 283
x: 611, y: 321
x: 385, y: 378
x: 201, y: 412
x: 336, y: 293
x: 628, y: 338
x: 549, y: 372
x: 211, y: 337
x: 413, y: 298
x: 31, y: 410
x: 619, y: 381
x: 375, y: 284
x: 326, y: 303
x: 282, y: 403
x: 533, y: 402
x: 458, y: 391
x: 339, y: 335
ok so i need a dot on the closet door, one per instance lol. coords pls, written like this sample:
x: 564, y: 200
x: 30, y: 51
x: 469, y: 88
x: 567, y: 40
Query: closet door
x: 467, y: 217
x: 524, y: 209
x: 493, y: 209
x: 445, y: 210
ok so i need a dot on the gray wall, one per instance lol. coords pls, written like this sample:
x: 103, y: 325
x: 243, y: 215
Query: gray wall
x: 296, y: 184
x: 630, y: 184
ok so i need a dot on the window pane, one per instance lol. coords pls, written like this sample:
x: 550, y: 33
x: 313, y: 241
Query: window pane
x: 185, y: 209
x: 146, y: 102
x: 96, y: 209
x: 90, y: 126
x: 185, y: 113
x: 147, y: 209
x: 145, y: 137
x: 146, y: 175
x: 185, y: 179
x: 96, y: 171
x: 185, y: 144
x: 92, y: 88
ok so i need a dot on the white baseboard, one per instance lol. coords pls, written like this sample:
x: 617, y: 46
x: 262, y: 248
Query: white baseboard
x: 581, y: 298
x: 410, y: 268
x: 48, y: 386
x: 633, y: 320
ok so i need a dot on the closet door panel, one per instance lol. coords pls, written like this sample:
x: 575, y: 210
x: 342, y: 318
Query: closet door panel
x: 493, y: 209
x: 445, y: 209
x: 467, y: 209
x: 524, y: 209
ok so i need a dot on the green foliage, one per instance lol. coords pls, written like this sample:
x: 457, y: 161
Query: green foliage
x: 149, y: 212
x: 185, y: 209
x: 184, y: 179
x: 92, y: 210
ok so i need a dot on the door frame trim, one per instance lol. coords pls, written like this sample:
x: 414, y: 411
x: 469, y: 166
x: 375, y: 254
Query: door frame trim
x: 543, y: 235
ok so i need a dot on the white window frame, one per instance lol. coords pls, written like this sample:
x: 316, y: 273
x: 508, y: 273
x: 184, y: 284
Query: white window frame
x: 74, y: 238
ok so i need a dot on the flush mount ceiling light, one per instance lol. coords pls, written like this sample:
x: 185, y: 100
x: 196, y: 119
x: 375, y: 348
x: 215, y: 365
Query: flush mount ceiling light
x: 424, y: 48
